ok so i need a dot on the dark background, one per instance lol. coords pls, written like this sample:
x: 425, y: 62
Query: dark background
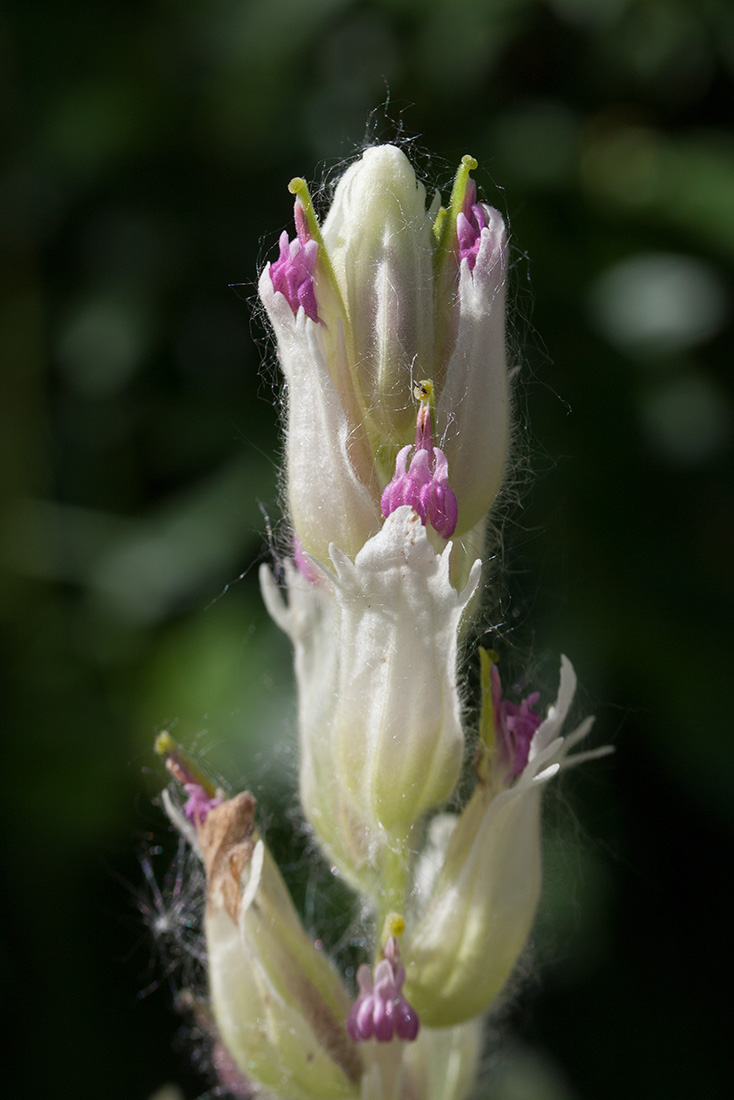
x: 150, y: 144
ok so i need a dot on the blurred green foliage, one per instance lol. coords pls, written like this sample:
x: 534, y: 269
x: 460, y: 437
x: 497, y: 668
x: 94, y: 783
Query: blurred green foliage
x: 148, y: 148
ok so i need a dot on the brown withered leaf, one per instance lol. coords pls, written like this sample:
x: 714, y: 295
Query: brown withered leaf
x: 227, y: 839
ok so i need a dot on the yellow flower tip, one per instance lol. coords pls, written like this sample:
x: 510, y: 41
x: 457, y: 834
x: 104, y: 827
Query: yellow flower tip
x: 394, y: 926
x: 298, y: 185
x: 164, y: 744
x: 469, y: 162
x: 423, y: 391
x: 180, y: 764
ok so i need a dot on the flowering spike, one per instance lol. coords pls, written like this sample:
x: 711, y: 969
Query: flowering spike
x: 374, y: 610
x: 425, y: 485
x: 381, y: 1011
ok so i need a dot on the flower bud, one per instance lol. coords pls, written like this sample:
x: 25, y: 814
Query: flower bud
x: 279, y: 1008
x: 379, y: 238
x: 478, y: 911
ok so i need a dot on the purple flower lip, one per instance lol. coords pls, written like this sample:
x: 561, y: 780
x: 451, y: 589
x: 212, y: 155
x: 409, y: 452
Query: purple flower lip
x: 516, y: 724
x: 199, y: 804
x: 425, y: 484
x: 292, y: 273
x: 469, y: 225
x: 381, y: 1011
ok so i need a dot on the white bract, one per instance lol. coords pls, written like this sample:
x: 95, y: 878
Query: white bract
x: 380, y: 722
x: 379, y: 238
x: 483, y: 881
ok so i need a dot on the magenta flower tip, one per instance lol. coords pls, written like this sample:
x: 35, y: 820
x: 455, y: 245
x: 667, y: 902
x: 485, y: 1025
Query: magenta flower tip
x: 469, y: 225
x: 201, y: 797
x: 516, y: 724
x: 292, y: 273
x: 381, y: 1011
x: 425, y: 485
x: 199, y: 804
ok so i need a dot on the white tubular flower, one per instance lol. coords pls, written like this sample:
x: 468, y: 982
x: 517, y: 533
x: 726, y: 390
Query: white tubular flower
x: 397, y: 724
x: 388, y: 292
x: 379, y: 238
x: 279, y: 1007
x: 480, y: 908
x: 379, y: 713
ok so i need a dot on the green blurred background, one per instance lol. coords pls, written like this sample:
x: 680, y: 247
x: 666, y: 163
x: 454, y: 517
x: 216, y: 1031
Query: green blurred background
x: 149, y: 148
